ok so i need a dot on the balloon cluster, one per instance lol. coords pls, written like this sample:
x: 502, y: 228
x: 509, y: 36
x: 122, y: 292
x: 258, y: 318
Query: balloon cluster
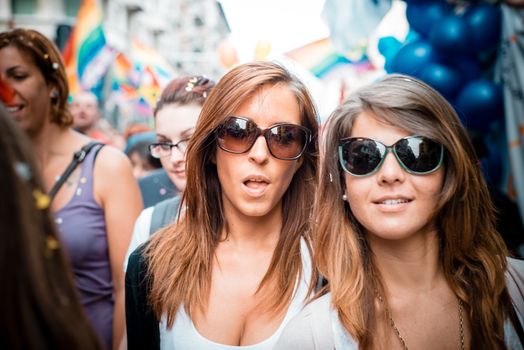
x: 450, y: 47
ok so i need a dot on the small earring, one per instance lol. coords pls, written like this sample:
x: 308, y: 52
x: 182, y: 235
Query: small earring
x: 344, y: 197
x: 54, y: 93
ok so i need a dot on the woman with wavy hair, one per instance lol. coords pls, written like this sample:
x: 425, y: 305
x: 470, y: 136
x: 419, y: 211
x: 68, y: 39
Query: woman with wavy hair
x: 96, y: 206
x: 404, y: 231
x: 235, y: 267
x: 39, y: 303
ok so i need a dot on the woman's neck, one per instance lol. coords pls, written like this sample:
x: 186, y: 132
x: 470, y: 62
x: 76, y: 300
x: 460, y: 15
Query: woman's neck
x: 47, y: 142
x: 408, y: 265
x: 253, y: 231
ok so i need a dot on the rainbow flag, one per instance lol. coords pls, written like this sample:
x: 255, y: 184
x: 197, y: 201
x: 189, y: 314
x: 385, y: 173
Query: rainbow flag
x: 320, y: 57
x: 87, y: 55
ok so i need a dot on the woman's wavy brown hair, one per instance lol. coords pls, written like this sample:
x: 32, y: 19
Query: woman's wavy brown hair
x: 472, y: 254
x: 44, y: 54
x: 180, y: 256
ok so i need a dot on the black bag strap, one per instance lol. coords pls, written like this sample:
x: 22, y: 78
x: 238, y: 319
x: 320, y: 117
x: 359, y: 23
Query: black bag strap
x: 78, y: 157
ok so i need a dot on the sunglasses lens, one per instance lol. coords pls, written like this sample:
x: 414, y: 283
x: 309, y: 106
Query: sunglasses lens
x: 236, y: 135
x: 287, y: 141
x: 361, y: 156
x: 419, y: 154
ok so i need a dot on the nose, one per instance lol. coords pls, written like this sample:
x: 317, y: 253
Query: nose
x: 176, y: 155
x: 259, y: 153
x: 391, y: 171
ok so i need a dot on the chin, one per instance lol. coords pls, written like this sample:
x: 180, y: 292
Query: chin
x: 180, y: 184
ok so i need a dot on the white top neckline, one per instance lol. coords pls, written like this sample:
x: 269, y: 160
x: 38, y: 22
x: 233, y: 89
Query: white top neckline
x: 184, y: 334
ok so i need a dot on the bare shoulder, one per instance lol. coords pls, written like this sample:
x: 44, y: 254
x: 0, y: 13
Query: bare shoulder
x: 310, y: 329
x: 111, y: 159
x: 113, y: 174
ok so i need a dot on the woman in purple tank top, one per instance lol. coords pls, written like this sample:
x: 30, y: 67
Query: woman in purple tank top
x: 96, y: 207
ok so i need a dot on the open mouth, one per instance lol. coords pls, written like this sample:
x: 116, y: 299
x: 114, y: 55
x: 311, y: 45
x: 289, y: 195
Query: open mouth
x: 394, y: 201
x: 255, y: 183
x: 256, y: 186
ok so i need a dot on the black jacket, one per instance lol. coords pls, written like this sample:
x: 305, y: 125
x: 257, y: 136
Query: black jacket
x: 141, y: 323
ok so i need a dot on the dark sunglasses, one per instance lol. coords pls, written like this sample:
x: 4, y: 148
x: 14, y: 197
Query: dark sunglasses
x: 284, y: 141
x: 418, y: 155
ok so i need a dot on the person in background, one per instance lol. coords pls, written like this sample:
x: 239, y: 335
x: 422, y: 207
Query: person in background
x: 141, y: 159
x: 98, y: 203
x: 86, y: 116
x: 39, y: 303
x: 176, y: 115
x: 405, y: 232
x: 235, y: 267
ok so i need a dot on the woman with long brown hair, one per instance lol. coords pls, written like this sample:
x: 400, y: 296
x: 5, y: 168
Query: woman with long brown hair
x: 176, y: 114
x: 39, y: 303
x: 405, y: 231
x: 236, y: 266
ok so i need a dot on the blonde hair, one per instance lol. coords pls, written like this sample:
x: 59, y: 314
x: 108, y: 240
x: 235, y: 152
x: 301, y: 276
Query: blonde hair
x: 472, y: 253
x: 180, y: 256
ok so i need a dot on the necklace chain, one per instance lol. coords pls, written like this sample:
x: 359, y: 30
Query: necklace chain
x: 401, y: 339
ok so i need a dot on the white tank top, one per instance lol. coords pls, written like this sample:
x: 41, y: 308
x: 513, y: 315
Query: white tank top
x: 184, y: 335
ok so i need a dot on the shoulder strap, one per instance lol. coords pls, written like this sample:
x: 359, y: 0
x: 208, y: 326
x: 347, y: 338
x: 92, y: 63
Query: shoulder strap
x: 78, y: 157
x: 164, y: 213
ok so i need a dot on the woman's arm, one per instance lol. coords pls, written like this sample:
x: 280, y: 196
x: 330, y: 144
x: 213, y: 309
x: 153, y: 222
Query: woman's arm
x: 117, y: 191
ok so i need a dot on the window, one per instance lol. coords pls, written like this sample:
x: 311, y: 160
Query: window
x: 23, y: 7
x: 71, y: 7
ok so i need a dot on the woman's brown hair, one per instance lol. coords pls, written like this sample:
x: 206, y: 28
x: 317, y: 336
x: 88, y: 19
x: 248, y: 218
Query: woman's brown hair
x: 39, y: 302
x: 44, y: 54
x: 472, y: 254
x: 185, y: 91
x: 180, y: 256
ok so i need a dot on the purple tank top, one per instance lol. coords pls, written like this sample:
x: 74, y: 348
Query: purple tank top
x: 82, y: 228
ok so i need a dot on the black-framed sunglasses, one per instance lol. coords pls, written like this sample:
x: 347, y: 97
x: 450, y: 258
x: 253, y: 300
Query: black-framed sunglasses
x: 164, y: 149
x: 284, y: 141
x: 419, y: 155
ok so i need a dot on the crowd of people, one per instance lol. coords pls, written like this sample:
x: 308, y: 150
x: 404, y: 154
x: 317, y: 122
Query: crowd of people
x: 262, y: 233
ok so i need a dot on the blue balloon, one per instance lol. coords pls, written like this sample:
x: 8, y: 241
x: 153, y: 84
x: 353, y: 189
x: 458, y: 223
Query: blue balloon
x: 452, y: 35
x: 480, y: 103
x: 467, y: 64
x: 444, y: 79
x: 412, y: 36
x: 491, y: 165
x: 388, y: 46
x: 412, y: 57
x: 485, y: 22
x: 423, y: 15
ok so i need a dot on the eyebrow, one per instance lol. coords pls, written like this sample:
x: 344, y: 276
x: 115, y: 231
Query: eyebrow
x: 187, y: 132
x: 13, y: 68
x: 183, y: 133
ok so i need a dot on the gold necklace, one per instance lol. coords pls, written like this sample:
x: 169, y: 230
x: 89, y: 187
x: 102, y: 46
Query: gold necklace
x: 401, y: 339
